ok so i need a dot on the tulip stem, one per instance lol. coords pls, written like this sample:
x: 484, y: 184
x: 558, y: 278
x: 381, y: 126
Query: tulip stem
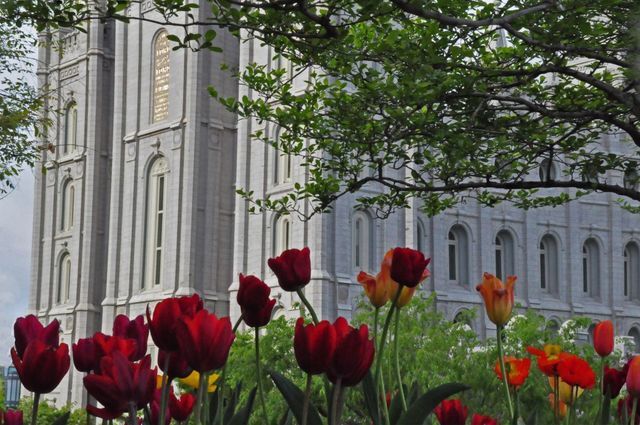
x: 397, y: 360
x: 133, y: 413
x: 306, y: 303
x: 165, y: 388
x: 385, y: 331
x: 34, y: 411
x: 505, y: 378
x: 602, y: 395
x: 556, y: 399
x: 259, y: 377
x: 334, y: 402
x: 632, y: 421
x: 307, y: 395
x: 199, y: 398
x: 220, y: 389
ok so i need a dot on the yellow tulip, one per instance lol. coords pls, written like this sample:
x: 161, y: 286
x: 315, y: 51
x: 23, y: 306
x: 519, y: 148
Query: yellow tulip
x: 564, y: 390
x: 193, y: 380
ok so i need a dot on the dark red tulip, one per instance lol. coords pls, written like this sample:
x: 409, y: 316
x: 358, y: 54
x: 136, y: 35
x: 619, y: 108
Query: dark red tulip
x: 12, y: 417
x: 165, y: 319
x: 314, y: 346
x: 254, y: 302
x: 120, y: 383
x: 408, y: 266
x: 42, y: 366
x: 603, y: 338
x: 103, y: 412
x: 614, y: 380
x: 353, y: 355
x: 483, y: 420
x: 182, y: 407
x: 85, y: 356
x: 28, y: 328
x: 292, y: 268
x: 134, y: 329
x: 451, y: 412
x: 178, y: 366
x: 204, y: 340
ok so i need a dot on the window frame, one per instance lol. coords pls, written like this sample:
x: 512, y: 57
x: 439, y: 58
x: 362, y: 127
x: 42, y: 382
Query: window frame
x: 155, y: 222
x: 70, y: 139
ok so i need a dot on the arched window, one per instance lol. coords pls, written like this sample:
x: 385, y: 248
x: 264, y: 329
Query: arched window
x: 635, y: 334
x: 67, y: 206
x: 420, y: 236
x: 505, y: 253
x: 361, y: 241
x: 155, y: 219
x: 547, y: 170
x: 70, y: 128
x: 161, y: 76
x: 591, y: 268
x: 64, y: 279
x: 281, y: 235
x: 631, y: 271
x: 548, y: 254
x: 458, y: 250
x: 552, y: 327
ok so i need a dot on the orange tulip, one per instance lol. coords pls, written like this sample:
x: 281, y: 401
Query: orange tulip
x: 603, y: 338
x: 633, y: 377
x: 517, y: 370
x: 498, y: 297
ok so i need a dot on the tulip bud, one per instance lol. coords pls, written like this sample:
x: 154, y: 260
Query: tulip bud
x: 134, y: 329
x: 253, y: 298
x: 12, y: 417
x: 633, y: 377
x: 408, y: 266
x: 451, y: 412
x: 603, y: 338
x: 498, y: 298
x: 483, y: 420
x: 314, y: 346
x: 42, y: 366
x: 292, y: 268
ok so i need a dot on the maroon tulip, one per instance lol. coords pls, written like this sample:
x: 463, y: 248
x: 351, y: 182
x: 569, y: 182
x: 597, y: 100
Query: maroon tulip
x: 134, y: 329
x: 293, y: 268
x: 614, y: 380
x: 42, y: 366
x: 182, y: 407
x: 353, y: 355
x: 178, y: 366
x: 120, y: 383
x: 165, y: 319
x: 314, y: 346
x: 12, y: 417
x: 451, y: 412
x: 603, y: 338
x: 483, y: 420
x: 85, y: 355
x: 28, y: 328
x: 408, y: 266
x: 253, y: 298
x: 205, y: 340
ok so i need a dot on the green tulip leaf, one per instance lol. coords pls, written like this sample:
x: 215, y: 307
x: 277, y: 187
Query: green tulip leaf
x: 243, y: 415
x: 295, y: 399
x: 418, y: 411
x: 234, y: 397
x: 62, y: 420
x: 371, y: 398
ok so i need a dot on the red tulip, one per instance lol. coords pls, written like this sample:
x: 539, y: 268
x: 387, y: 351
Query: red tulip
x: 353, y: 355
x: 614, y: 380
x: 42, y: 366
x: 633, y: 377
x: 293, y: 268
x: 408, y: 266
x: 314, y: 346
x: 85, y: 356
x: 483, y: 420
x: 165, y: 319
x: 576, y: 372
x: 120, y: 383
x: 134, y: 329
x: 253, y: 298
x: 603, y: 338
x: 12, y: 417
x: 182, y: 407
x: 28, y: 328
x: 178, y: 366
x: 204, y: 340
x: 451, y: 412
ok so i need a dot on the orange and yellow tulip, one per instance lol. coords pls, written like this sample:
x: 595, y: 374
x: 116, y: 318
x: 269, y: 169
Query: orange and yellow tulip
x: 193, y: 380
x: 564, y: 391
x: 498, y: 297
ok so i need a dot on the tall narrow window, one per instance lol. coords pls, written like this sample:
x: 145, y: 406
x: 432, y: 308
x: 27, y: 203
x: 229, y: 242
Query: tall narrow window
x: 591, y: 268
x: 64, y: 279
x: 361, y: 241
x: 499, y: 258
x: 630, y: 179
x: 548, y: 256
x: 458, y: 251
x: 70, y: 128
x: 626, y: 273
x: 155, y: 218
x: 505, y: 253
x: 67, y: 203
x: 281, y: 235
x: 161, y: 76
x: 419, y: 236
x: 635, y: 335
x: 632, y: 271
x: 547, y: 170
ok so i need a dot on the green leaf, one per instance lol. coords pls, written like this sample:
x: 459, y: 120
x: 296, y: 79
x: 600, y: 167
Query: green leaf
x: 371, y: 398
x: 295, y: 399
x: 421, y: 408
x: 243, y: 415
x: 62, y: 420
x: 606, y: 407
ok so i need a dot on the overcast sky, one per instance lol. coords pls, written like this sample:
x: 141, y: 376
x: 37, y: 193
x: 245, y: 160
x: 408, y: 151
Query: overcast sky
x: 16, y: 213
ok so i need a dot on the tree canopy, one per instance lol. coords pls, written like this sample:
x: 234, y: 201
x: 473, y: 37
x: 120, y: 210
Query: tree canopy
x: 527, y: 101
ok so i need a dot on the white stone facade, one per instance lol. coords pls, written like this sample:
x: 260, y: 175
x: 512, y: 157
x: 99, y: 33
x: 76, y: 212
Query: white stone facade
x: 142, y: 230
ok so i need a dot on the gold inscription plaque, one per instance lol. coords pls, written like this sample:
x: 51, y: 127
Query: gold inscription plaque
x: 161, y: 74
